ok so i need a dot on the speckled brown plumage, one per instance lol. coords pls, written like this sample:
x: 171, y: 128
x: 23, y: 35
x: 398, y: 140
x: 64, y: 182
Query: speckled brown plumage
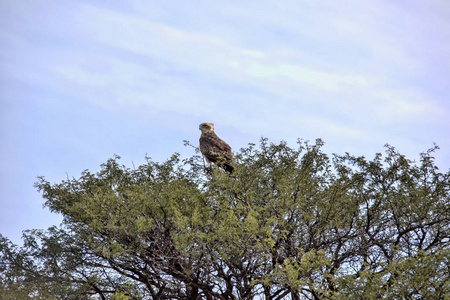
x: 215, y: 149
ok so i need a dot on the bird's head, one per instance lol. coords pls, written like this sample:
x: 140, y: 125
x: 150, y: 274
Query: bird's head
x: 204, y: 127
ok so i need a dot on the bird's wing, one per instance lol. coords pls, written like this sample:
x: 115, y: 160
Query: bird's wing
x: 214, y: 148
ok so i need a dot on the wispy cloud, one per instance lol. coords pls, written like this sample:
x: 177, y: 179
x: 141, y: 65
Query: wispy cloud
x: 348, y: 61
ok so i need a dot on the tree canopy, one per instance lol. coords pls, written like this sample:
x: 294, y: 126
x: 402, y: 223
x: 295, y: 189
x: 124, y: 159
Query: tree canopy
x: 289, y: 223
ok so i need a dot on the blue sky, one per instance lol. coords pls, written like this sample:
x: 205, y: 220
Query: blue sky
x: 81, y: 81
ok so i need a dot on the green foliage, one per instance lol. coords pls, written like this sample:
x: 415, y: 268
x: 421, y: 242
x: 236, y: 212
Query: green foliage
x: 288, y: 223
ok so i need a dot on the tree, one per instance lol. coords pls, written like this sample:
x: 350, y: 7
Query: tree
x: 287, y: 224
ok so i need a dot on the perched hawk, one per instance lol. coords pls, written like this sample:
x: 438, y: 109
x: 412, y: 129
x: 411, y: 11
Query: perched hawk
x: 214, y: 149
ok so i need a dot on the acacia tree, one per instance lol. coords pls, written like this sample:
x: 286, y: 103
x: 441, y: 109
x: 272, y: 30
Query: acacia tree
x: 287, y: 224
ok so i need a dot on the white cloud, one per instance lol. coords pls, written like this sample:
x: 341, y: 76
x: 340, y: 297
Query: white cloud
x: 203, y: 52
x: 161, y: 66
x: 303, y: 75
x: 404, y: 105
x: 82, y: 77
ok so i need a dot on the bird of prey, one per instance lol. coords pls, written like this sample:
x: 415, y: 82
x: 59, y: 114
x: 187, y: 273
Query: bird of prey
x: 214, y: 149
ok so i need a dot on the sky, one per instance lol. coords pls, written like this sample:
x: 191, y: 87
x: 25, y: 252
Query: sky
x: 81, y: 81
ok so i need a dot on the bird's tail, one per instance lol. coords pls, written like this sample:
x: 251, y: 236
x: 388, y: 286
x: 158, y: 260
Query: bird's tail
x: 228, y: 168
